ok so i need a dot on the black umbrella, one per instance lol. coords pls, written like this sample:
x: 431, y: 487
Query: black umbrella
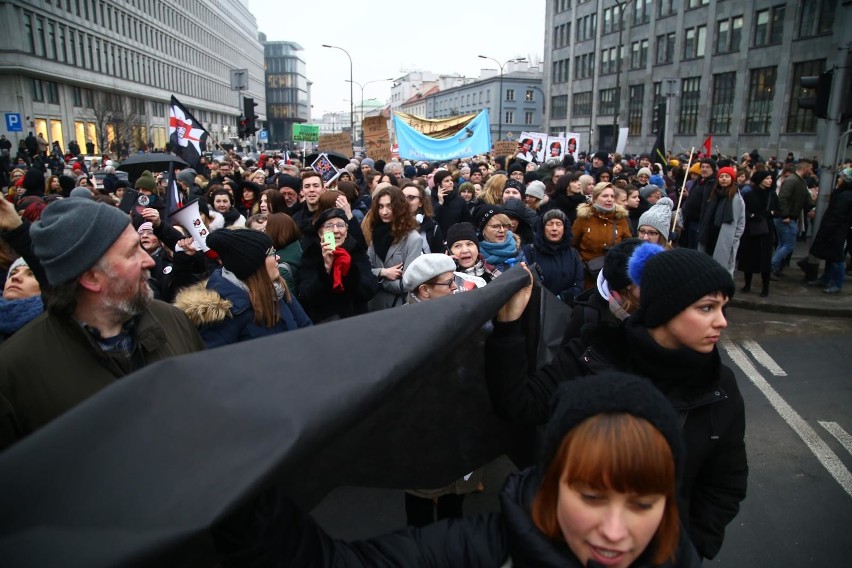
x: 336, y: 158
x: 155, y: 162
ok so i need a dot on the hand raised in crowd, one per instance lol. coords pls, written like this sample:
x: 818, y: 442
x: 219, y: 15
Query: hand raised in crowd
x: 327, y: 256
x: 343, y: 203
x: 392, y: 273
x: 9, y: 218
x: 442, y: 192
x: 514, y: 308
x: 152, y: 215
x: 188, y: 245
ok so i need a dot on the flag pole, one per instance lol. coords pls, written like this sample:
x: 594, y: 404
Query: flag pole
x: 682, y: 189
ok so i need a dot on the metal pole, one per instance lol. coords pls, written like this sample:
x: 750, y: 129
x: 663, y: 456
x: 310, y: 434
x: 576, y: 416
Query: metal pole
x: 617, y: 94
x: 351, y: 90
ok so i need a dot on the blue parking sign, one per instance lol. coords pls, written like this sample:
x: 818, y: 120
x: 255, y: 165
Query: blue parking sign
x: 13, y: 122
x: 263, y: 136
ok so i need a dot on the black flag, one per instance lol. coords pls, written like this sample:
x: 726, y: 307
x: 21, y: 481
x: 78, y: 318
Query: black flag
x: 187, y: 136
x: 658, y: 151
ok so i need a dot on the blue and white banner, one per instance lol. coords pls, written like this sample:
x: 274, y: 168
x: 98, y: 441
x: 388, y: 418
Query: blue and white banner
x: 472, y: 139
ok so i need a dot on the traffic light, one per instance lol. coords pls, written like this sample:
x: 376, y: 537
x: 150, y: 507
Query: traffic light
x: 821, y: 85
x: 241, y: 127
x: 249, y: 113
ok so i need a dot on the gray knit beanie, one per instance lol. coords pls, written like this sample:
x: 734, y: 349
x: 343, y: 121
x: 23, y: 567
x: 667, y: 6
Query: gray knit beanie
x: 659, y: 216
x: 73, y: 234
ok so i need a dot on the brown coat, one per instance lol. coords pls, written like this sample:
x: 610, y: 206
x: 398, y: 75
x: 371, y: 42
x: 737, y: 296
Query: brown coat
x: 592, y: 232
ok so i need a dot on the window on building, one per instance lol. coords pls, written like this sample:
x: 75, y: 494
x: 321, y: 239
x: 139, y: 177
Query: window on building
x: 582, y: 104
x: 665, y: 48
x: 799, y: 119
x: 641, y: 12
x: 528, y: 95
x: 606, y: 101
x: 816, y: 17
x: 77, y: 96
x: 612, y: 19
x: 158, y: 109
x: 769, y: 26
x: 528, y: 117
x: 658, y: 99
x: 38, y: 91
x: 510, y: 117
x: 761, y: 92
x: 639, y: 54
x: 634, y: 110
x: 510, y: 94
x: 690, y: 4
x: 559, y: 107
x: 728, y: 34
x: 694, y: 41
x: 586, y: 27
x: 667, y: 7
x: 722, y: 106
x: 690, y: 95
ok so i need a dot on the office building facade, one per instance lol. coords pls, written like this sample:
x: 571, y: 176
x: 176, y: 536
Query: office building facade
x: 724, y: 69
x: 103, y: 71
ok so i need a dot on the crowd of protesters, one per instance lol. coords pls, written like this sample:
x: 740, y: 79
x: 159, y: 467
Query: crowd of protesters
x: 283, y: 249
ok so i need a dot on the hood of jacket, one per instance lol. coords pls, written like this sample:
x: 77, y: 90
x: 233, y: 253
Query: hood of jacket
x: 202, y: 306
x: 587, y: 210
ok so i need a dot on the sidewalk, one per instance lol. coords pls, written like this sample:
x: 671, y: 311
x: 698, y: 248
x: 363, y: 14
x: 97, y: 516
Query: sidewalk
x: 791, y: 295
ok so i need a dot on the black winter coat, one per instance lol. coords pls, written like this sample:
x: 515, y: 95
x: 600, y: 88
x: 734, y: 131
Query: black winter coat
x: 318, y: 298
x: 834, y: 228
x: 699, y: 387
x: 559, y: 265
x: 755, y: 251
x: 454, y: 210
x: 273, y: 532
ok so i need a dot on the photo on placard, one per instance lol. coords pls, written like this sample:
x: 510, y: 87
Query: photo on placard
x: 572, y: 143
x: 555, y: 147
x: 323, y: 166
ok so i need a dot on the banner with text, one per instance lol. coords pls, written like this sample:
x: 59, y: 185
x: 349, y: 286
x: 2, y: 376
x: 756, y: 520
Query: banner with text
x: 504, y: 148
x: 436, y: 127
x: 377, y: 138
x: 472, y: 139
x: 340, y: 143
x: 306, y: 132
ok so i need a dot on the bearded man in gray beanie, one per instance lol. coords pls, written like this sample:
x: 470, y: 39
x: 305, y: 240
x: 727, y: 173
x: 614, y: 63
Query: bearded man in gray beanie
x: 101, y: 322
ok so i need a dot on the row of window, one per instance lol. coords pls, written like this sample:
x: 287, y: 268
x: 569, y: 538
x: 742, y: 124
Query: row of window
x: 760, y: 95
x: 50, y: 92
x: 815, y: 18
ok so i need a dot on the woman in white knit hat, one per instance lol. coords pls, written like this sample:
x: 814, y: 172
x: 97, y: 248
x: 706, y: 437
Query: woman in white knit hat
x: 655, y: 223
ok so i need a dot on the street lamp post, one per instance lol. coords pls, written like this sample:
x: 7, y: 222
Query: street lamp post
x: 350, y: 81
x: 617, y: 94
x: 500, y: 95
x: 351, y: 90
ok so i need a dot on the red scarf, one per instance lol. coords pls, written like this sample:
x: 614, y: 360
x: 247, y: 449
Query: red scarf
x: 339, y: 268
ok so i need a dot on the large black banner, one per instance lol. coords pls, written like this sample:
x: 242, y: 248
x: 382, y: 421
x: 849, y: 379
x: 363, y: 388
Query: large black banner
x: 137, y: 474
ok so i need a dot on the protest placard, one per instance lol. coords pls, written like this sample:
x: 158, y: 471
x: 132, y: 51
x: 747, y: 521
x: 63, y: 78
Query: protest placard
x: 377, y: 138
x: 341, y: 143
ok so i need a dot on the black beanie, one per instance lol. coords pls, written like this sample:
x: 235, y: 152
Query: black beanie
x: 286, y: 180
x: 575, y: 401
x: 242, y: 251
x: 461, y: 232
x: 33, y: 183
x: 332, y: 213
x: 66, y: 184
x: 615, y: 264
x: 670, y: 281
x: 482, y: 214
x: 760, y: 175
x: 516, y: 167
x: 517, y: 185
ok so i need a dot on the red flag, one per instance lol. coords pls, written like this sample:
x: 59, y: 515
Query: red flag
x: 708, y: 145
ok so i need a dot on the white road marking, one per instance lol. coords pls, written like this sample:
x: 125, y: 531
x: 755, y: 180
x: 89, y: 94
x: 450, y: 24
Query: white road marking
x: 820, y: 449
x: 763, y: 358
x: 839, y: 433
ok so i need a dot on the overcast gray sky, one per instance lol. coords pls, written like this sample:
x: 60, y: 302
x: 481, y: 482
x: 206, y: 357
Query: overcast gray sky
x: 387, y: 39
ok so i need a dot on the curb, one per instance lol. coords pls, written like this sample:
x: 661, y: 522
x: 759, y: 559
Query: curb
x: 820, y: 311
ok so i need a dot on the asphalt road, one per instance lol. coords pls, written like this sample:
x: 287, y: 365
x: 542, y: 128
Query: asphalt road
x: 795, y: 374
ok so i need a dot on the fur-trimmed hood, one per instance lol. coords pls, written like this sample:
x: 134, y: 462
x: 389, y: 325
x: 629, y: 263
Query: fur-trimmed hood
x: 587, y: 210
x: 203, y: 306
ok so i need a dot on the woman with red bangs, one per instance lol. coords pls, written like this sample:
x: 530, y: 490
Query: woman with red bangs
x: 601, y: 494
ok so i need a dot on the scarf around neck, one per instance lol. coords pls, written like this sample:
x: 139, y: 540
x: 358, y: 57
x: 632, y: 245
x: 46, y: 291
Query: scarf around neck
x: 495, y: 253
x: 382, y: 239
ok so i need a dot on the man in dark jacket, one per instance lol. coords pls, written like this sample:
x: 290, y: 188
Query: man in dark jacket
x: 450, y: 208
x: 792, y: 198
x: 101, y: 322
x: 698, y: 194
